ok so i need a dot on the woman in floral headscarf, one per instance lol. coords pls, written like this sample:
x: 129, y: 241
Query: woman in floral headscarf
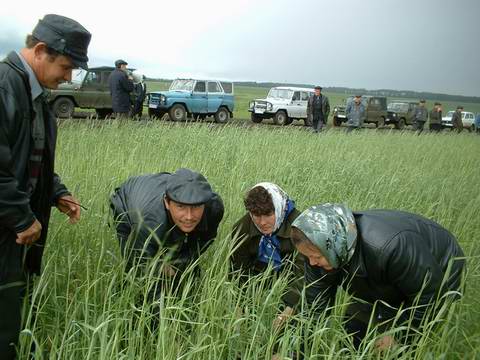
x: 388, y: 259
x: 262, y: 239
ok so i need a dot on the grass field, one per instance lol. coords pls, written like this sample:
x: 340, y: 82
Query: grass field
x: 244, y: 94
x: 89, y: 309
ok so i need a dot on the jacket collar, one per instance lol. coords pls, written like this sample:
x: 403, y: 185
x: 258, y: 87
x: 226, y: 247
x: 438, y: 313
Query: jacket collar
x: 35, y: 87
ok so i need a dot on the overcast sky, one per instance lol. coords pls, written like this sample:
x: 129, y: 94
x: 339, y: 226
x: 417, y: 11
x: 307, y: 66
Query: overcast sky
x: 423, y: 45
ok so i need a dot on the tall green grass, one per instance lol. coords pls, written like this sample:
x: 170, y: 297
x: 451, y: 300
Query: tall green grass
x: 88, y: 308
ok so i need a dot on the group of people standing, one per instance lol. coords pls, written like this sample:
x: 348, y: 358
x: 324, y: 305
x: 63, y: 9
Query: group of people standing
x: 128, y: 91
x: 404, y: 261
x: 421, y: 116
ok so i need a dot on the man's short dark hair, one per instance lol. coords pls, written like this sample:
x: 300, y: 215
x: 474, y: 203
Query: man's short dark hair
x: 259, y: 202
x: 31, y: 41
x: 423, y: 101
x: 459, y: 107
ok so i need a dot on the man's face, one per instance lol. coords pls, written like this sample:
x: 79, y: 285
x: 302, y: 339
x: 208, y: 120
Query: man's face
x: 357, y: 100
x: 51, y: 71
x: 265, y: 223
x: 315, y: 257
x: 422, y: 104
x: 318, y: 92
x: 186, y: 217
x: 123, y: 67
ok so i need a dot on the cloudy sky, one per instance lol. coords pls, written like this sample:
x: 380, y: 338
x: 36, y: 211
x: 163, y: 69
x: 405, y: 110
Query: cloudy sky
x: 423, y: 45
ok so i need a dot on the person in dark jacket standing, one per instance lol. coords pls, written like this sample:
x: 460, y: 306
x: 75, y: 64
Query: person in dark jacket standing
x: 121, y: 85
x: 457, y: 123
x: 387, y: 259
x: 140, y: 91
x: 173, y: 217
x: 318, y: 109
x: 420, y: 116
x: 262, y: 238
x: 29, y: 186
x: 436, y: 118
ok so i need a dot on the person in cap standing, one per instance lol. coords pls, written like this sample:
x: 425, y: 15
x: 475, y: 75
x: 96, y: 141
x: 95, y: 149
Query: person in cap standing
x: 121, y: 85
x: 355, y: 112
x: 457, y: 123
x: 389, y: 260
x: 318, y: 109
x: 174, y: 216
x: 420, y: 116
x: 436, y: 118
x: 29, y: 187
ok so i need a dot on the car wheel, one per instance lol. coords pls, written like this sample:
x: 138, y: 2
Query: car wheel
x: 255, y: 118
x: 177, y: 113
x: 289, y: 121
x: 473, y: 128
x: 337, y: 121
x: 400, y: 125
x: 308, y: 122
x: 63, y: 107
x: 380, y: 123
x: 222, y: 115
x: 280, y: 118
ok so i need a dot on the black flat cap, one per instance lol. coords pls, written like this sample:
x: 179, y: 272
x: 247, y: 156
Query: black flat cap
x: 318, y: 87
x: 65, y: 36
x: 120, y: 62
x: 423, y: 101
x: 188, y: 187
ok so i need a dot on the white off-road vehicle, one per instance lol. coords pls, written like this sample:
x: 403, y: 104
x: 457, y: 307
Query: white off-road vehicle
x: 283, y: 104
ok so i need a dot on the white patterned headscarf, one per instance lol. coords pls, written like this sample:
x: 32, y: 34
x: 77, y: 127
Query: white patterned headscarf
x: 279, y: 199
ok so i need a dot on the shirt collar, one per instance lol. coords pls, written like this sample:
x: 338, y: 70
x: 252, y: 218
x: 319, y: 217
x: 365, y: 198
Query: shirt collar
x: 35, y: 87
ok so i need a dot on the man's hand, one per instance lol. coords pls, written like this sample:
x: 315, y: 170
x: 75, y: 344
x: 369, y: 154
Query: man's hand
x: 282, y: 318
x: 70, y: 206
x: 29, y: 236
x: 385, y: 343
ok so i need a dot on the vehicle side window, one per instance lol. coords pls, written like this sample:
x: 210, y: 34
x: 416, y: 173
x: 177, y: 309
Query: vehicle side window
x: 304, y: 96
x: 227, y: 87
x: 296, y: 96
x: 92, y: 78
x: 200, y: 86
x: 213, y: 87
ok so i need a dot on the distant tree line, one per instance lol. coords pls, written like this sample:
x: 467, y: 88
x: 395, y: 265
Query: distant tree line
x: 351, y: 91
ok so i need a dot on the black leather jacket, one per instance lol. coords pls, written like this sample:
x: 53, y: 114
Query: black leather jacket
x: 395, y: 252
x: 18, y: 210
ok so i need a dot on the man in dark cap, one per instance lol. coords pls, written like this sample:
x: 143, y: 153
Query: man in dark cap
x: 318, y: 109
x: 171, y: 217
x: 400, y: 267
x: 355, y: 112
x: 29, y: 186
x: 436, y: 118
x: 121, y: 85
x: 457, y: 119
x: 420, y: 116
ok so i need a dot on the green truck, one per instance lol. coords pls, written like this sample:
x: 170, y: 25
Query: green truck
x: 375, y: 110
x: 87, y: 90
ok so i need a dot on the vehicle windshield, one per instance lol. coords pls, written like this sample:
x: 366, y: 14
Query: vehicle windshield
x: 280, y: 94
x: 398, y: 107
x: 182, y: 85
x: 450, y: 114
x: 78, y: 75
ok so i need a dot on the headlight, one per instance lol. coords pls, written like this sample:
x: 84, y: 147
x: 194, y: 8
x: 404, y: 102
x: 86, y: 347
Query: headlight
x: 251, y: 105
x: 163, y: 98
x: 335, y: 109
x: 269, y: 106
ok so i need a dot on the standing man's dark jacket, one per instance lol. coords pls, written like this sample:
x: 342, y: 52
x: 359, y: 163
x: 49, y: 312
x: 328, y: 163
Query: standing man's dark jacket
x: 19, y: 207
x: 245, y: 257
x: 435, y: 117
x: 144, y: 224
x: 120, y: 88
x: 457, y: 122
x: 325, y: 108
x: 395, y: 252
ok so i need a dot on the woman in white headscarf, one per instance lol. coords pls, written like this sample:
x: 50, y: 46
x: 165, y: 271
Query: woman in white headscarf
x: 262, y: 239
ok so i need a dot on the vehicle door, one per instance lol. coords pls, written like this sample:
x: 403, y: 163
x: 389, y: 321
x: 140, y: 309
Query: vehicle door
x: 199, y: 100
x: 87, y: 96
x: 295, y: 107
x: 374, y: 110
x: 215, y: 96
x: 104, y: 97
x: 304, y: 95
